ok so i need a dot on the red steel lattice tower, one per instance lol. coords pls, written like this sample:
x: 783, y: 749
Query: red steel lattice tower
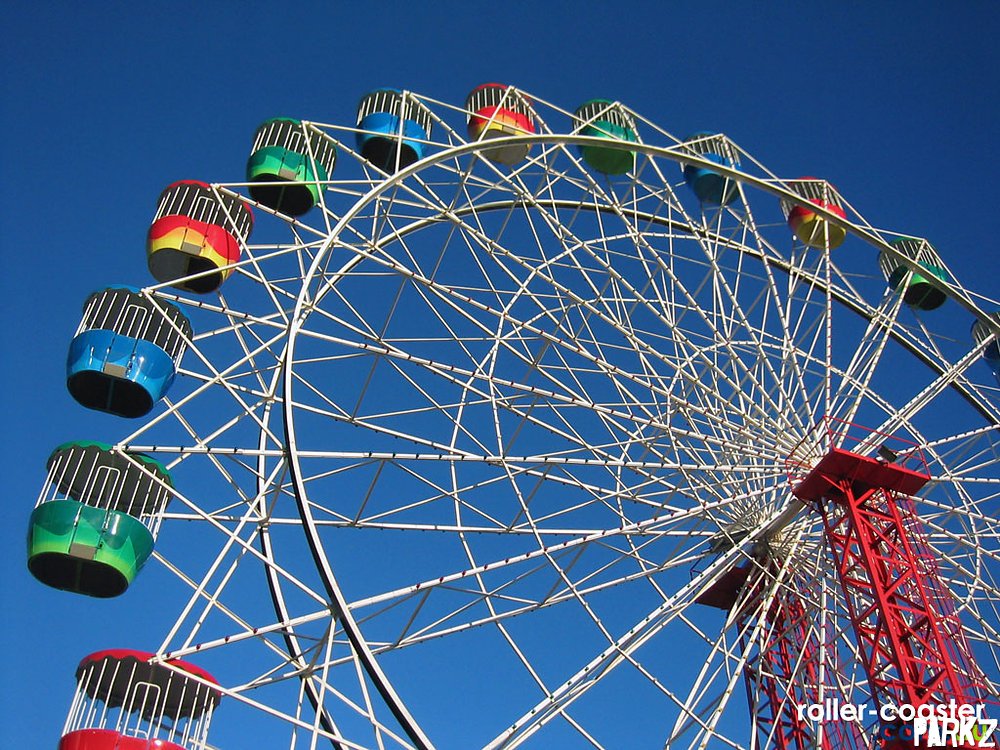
x: 902, y: 615
x: 784, y: 675
x: 782, y: 668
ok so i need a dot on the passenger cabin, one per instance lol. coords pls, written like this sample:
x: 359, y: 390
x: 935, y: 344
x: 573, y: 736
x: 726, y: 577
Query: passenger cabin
x: 393, y: 128
x: 601, y: 118
x: 126, y: 351
x: 495, y: 111
x: 125, y: 700
x: 814, y: 230
x: 288, y: 163
x: 982, y: 331
x: 914, y: 286
x: 709, y: 185
x: 197, y: 234
x: 94, y: 524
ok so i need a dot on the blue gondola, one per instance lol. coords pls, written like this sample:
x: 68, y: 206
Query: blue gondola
x: 126, y: 351
x: 981, y: 331
x: 708, y: 184
x: 394, y: 128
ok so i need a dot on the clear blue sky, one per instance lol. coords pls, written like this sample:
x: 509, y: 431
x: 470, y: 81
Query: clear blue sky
x: 105, y: 103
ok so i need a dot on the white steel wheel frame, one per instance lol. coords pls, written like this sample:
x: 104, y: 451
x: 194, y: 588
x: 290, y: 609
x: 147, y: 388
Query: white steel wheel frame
x: 561, y: 404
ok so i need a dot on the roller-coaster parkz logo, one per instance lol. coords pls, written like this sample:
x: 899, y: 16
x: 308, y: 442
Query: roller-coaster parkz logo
x: 945, y: 725
x: 952, y: 724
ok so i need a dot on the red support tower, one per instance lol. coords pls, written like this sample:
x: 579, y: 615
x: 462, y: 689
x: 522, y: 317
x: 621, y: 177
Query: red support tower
x: 782, y: 674
x: 906, y: 628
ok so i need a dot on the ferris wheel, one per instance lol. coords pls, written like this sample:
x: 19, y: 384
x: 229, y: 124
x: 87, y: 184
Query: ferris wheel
x: 506, y: 425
